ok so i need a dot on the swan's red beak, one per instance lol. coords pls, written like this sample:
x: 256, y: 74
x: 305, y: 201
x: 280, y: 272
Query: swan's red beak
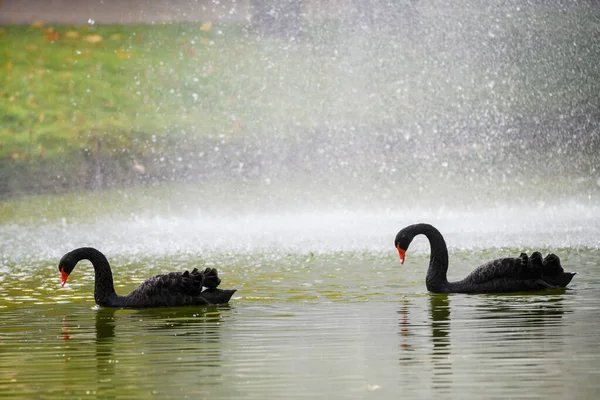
x: 401, y: 253
x: 63, y: 277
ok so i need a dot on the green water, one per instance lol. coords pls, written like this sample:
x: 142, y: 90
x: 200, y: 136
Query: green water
x: 323, y: 308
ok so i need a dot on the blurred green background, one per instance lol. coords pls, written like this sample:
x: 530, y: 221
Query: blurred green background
x: 320, y: 88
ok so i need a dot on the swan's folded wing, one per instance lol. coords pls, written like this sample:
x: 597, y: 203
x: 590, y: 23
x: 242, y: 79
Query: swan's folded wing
x: 178, y: 284
x: 520, y: 268
x: 548, y: 269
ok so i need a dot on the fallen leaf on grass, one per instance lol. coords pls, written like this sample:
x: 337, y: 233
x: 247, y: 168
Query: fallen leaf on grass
x: 31, y: 47
x: 115, y: 36
x: 205, y: 27
x: 37, y: 24
x: 52, y: 36
x: 93, y: 39
x: 72, y: 34
x: 123, y: 54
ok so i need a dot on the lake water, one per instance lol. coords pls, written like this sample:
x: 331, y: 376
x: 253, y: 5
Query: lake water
x: 323, y: 308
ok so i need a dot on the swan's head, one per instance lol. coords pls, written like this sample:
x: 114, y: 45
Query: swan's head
x: 402, y: 242
x: 65, y: 266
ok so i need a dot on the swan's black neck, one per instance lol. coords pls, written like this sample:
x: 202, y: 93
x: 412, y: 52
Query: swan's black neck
x: 436, y: 280
x: 438, y: 261
x: 104, y: 288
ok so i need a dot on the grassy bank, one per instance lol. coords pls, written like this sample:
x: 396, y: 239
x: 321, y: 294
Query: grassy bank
x: 146, y: 102
x: 65, y: 87
x: 135, y: 86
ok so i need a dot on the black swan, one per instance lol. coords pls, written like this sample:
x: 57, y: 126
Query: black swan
x: 498, y: 276
x: 166, y: 290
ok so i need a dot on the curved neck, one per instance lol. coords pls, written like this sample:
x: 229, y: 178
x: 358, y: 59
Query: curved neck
x: 438, y: 261
x: 104, y: 288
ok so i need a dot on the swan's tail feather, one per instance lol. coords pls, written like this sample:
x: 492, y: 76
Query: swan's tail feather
x: 548, y: 270
x: 218, y: 296
x: 563, y: 279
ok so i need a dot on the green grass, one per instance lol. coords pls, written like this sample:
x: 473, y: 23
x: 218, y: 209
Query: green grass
x: 140, y: 84
x: 145, y: 89
x: 133, y: 84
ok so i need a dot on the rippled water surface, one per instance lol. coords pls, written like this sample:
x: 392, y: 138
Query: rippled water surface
x: 323, y: 308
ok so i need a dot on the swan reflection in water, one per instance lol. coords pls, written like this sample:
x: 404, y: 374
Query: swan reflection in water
x: 439, y: 308
x: 520, y: 328
x: 525, y: 326
x: 413, y: 349
x: 137, y: 340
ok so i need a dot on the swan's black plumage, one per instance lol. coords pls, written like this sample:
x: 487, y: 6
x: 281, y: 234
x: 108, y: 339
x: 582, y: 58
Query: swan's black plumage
x: 166, y: 290
x: 498, y: 276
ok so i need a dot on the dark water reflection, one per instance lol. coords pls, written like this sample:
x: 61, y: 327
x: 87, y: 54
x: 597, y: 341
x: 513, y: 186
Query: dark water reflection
x: 515, y: 346
x: 144, y: 342
x: 438, y: 327
x: 105, y: 368
x: 196, y: 330
x: 439, y: 307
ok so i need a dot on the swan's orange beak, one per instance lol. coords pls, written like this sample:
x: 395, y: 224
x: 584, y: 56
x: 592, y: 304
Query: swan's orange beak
x: 401, y: 253
x: 63, y: 276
